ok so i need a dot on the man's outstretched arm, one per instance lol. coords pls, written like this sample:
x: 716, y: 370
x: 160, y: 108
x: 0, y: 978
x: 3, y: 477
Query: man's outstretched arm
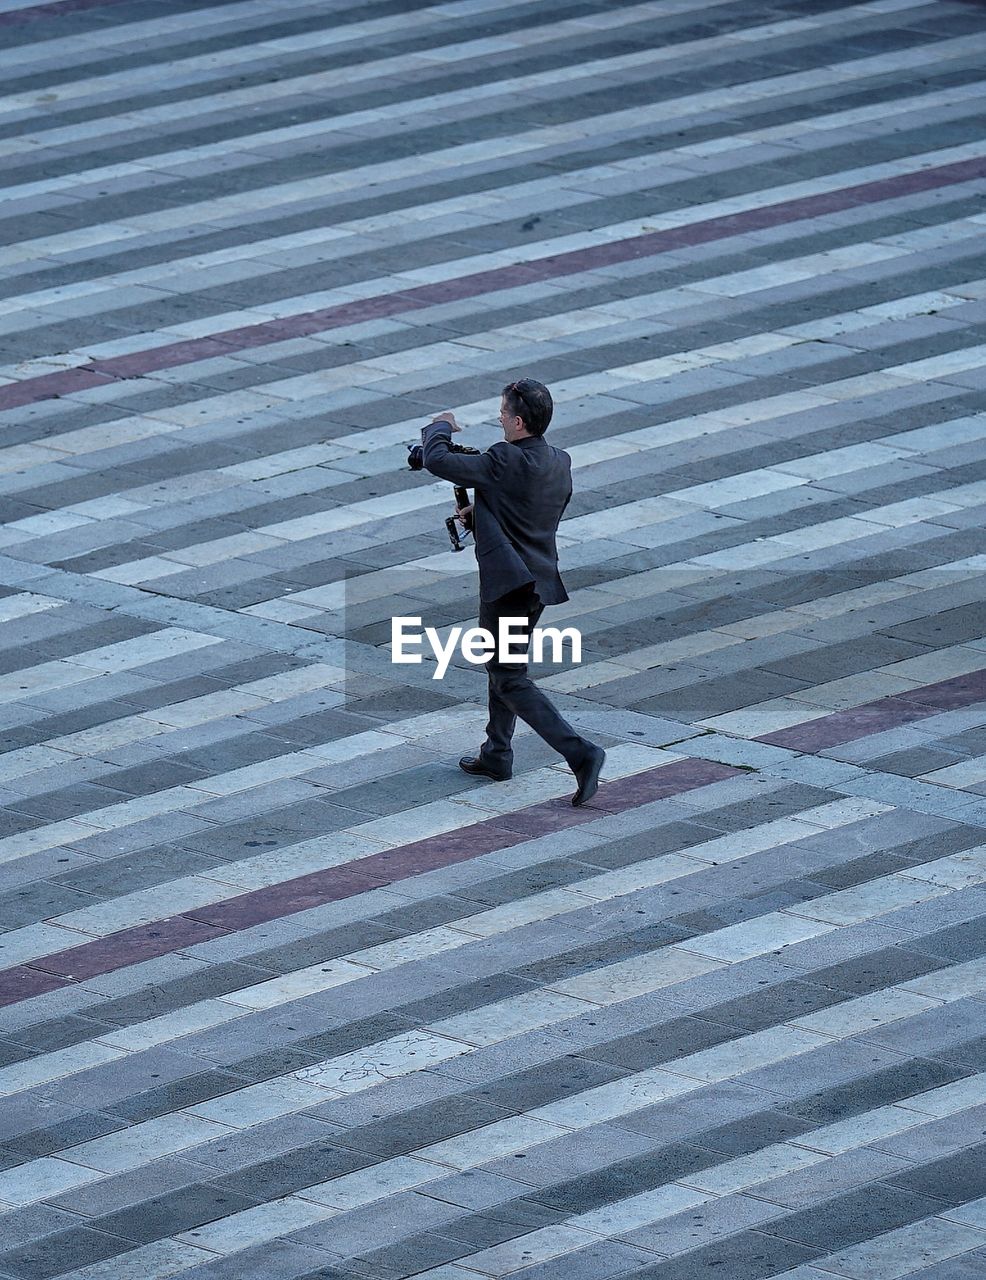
x: 468, y: 469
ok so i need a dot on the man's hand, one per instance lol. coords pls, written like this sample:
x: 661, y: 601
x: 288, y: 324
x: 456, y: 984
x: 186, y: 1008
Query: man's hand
x: 449, y: 417
x: 463, y: 513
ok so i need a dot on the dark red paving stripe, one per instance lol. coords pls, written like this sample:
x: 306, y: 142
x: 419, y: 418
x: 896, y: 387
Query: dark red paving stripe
x: 24, y: 983
x: 480, y: 283
x: 129, y: 946
x: 885, y: 713
x: 144, y: 942
x: 638, y: 789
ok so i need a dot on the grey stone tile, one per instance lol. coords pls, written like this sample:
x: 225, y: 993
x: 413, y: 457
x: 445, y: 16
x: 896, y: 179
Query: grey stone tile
x: 749, y: 1255
x: 936, y: 1138
x: 874, y: 972
x: 752, y: 1131
x: 176, y: 1212
x: 23, y: 1113
x: 282, y: 1258
x: 292, y: 1170
x: 683, y: 1232
x: 954, y: 1179
x: 45, y: 1256
x: 916, y: 761
x: 476, y: 1189
x: 158, y: 1100
x: 953, y: 1034
x: 420, y: 1125
x: 375, y: 1226
x: 818, y: 1183
x: 961, y: 942
x: 855, y: 1216
x: 877, y: 1088
x: 142, y: 869
x: 722, y: 1104
x: 504, y: 1223
x: 33, y: 1222
x: 940, y: 913
x: 624, y: 1178
x: 416, y: 1253
x: 127, y: 1190
x: 597, y: 1261
x: 962, y: 1268
x: 80, y: 1128
x: 663, y: 1043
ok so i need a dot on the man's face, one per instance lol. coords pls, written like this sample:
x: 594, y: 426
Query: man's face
x: 513, y: 426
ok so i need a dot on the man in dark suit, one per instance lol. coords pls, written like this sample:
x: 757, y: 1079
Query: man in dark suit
x: 522, y: 486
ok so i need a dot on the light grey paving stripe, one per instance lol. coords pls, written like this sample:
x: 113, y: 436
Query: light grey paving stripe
x: 621, y: 1216
x: 88, y: 438
x: 498, y: 92
x: 267, y: 250
x: 739, y: 1176
x: 261, y: 611
x: 125, y: 655
x: 448, y: 53
x: 357, y: 840
x: 537, y: 851
x: 249, y: 773
x: 636, y: 977
x: 317, y: 1203
x: 315, y: 601
x: 195, y: 70
x: 151, y: 496
x: 702, y: 496
x: 609, y: 327
x: 447, y: 270
x: 611, y: 174
x: 364, y: 71
x: 362, y: 839
x: 914, y: 1249
x: 240, y: 18
x: 870, y: 523
x: 259, y: 262
x: 273, y: 1098
x: 621, y: 981
x: 549, y: 1243
x: 171, y: 719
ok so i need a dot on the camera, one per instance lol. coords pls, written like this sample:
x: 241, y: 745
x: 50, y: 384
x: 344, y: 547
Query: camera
x: 415, y: 460
x: 416, y: 456
x: 461, y: 500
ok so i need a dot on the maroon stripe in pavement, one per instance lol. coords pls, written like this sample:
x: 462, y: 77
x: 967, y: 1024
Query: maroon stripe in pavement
x: 885, y: 713
x: 479, y: 283
x: 23, y: 983
x: 638, y: 789
x: 55, y: 9
x: 49, y: 386
x: 131, y: 946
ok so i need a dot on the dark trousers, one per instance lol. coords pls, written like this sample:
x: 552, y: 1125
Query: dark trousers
x: 513, y: 693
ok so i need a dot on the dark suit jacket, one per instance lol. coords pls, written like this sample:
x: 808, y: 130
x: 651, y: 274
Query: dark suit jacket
x: 522, y: 489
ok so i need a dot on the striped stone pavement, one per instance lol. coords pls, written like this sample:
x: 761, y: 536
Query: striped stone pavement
x: 284, y: 995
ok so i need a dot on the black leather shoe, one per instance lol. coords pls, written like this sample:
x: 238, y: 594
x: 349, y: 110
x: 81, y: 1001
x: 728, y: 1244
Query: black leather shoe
x: 587, y: 776
x: 474, y: 764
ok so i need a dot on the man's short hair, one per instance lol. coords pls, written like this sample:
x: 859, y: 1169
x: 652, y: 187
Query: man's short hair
x: 531, y: 401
